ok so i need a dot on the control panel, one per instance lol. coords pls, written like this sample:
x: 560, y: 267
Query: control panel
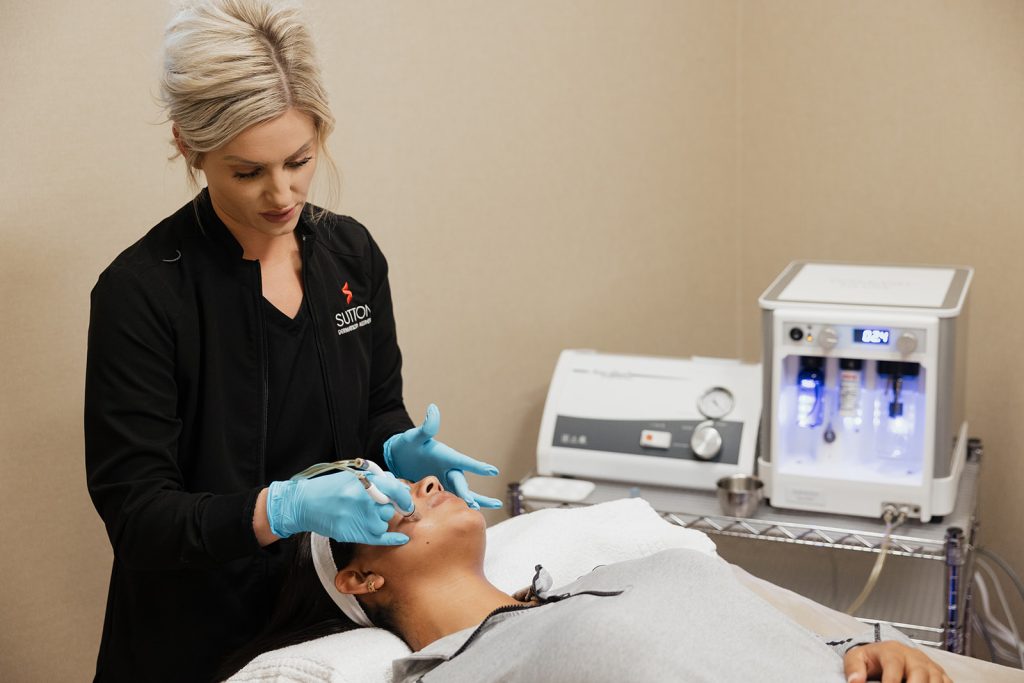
x: 803, y: 337
x: 698, y: 440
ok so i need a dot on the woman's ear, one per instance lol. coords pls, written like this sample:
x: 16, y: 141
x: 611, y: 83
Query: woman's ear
x: 357, y: 583
x: 182, y: 148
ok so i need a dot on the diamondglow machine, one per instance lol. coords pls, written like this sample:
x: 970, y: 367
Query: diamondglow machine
x: 864, y: 388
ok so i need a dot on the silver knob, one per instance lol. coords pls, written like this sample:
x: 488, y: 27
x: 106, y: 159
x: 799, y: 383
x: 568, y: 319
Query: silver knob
x: 907, y: 343
x: 828, y: 338
x: 706, y: 441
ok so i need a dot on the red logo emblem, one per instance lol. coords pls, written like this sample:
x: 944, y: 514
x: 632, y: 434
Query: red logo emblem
x: 347, y: 292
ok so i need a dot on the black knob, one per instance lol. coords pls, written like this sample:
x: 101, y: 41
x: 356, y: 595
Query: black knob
x: 796, y: 334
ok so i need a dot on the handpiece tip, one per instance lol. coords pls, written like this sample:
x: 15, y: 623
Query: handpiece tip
x: 411, y: 514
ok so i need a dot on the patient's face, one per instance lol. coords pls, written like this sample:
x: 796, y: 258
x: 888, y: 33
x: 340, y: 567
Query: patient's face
x: 443, y: 530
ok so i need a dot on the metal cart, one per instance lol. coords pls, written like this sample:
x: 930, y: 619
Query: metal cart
x: 924, y: 590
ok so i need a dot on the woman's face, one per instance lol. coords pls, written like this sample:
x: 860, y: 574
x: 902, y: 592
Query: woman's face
x: 259, y: 180
x: 443, y: 531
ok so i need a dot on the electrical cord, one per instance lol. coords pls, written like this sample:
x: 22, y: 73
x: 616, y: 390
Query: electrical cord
x: 893, y: 517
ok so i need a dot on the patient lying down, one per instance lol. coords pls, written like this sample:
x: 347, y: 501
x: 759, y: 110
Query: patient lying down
x: 677, y: 615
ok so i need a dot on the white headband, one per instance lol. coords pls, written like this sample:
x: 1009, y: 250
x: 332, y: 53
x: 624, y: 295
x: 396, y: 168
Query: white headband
x: 323, y: 560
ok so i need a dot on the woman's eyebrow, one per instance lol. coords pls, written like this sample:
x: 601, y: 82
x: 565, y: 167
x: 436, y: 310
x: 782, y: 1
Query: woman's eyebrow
x: 300, y: 150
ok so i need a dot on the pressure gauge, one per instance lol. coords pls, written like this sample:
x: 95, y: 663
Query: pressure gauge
x: 716, y: 403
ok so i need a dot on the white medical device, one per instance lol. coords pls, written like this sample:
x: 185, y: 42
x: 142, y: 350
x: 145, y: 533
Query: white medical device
x: 664, y: 421
x: 864, y: 371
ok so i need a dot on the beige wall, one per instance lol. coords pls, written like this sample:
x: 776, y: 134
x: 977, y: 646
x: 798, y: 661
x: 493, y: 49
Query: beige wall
x: 542, y: 175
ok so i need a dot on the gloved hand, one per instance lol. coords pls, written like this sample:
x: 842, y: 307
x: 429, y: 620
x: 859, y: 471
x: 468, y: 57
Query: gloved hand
x: 338, y: 506
x: 415, y: 454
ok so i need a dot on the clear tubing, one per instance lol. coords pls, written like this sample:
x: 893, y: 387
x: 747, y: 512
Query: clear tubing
x: 1018, y: 645
x: 1000, y: 631
x: 893, y: 518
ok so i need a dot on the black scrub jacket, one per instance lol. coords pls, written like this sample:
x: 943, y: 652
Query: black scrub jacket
x: 176, y: 426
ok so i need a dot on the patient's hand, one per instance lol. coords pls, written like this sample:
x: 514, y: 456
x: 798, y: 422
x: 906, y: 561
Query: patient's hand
x: 894, y: 662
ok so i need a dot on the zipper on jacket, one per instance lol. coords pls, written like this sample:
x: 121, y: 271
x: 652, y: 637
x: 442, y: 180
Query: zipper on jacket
x: 261, y: 449
x: 523, y: 607
x: 319, y: 346
x: 500, y: 610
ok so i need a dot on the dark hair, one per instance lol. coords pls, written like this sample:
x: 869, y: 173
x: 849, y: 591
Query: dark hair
x: 303, y: 610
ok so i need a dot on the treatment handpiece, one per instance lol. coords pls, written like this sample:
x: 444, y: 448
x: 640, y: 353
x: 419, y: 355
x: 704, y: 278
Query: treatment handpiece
x: 359, y: 467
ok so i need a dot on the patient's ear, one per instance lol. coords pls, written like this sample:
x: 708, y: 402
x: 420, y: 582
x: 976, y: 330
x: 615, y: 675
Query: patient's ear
x: 357, y: 583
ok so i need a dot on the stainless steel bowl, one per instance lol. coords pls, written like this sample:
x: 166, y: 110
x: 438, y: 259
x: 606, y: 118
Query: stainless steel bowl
x: 740, y: 494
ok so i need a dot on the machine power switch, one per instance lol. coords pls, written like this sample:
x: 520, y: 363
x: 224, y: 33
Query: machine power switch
x: 907, y: 343
x: 706, y: 441
x: 650, y: 438
x: 828, y: 338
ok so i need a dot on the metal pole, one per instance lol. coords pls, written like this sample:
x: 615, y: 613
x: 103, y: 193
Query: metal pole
x: 954, y: 627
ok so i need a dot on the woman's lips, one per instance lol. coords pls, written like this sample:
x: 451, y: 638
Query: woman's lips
x: 279, y: 216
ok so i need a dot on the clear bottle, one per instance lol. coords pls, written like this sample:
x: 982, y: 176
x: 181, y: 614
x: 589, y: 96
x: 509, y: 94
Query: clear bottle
x: 810, y: 388
x: 851, y: 381
x: 899, y: 410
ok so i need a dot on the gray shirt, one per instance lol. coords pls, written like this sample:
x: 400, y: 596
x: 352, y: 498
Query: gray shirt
x: 677, y: 615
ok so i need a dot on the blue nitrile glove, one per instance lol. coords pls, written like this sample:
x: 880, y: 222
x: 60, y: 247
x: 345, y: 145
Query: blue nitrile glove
x: 338, y: 506
x: 415, y: 454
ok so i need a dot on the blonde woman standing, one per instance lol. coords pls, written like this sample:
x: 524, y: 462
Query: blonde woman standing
x: 244, y: 338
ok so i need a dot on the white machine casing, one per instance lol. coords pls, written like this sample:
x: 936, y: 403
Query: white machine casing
x: 636, y: 418
x: 886, y: 321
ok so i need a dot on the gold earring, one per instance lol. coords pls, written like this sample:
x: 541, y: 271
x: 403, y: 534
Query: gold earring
x: 371, y: 586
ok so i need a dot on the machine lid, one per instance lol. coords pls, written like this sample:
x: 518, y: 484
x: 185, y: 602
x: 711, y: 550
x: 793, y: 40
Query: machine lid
x: 937, y: 290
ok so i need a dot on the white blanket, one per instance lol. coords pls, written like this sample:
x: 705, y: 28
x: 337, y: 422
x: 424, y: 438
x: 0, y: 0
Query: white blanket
x: 569, y: 543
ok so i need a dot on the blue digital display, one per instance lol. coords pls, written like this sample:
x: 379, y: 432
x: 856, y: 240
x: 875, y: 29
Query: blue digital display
x: 871, y: 335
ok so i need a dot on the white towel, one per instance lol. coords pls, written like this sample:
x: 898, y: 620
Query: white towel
x: 360, y: 656
x: 571, y: 542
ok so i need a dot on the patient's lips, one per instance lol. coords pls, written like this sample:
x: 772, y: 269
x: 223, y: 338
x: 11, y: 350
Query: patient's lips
x: 440, y: 497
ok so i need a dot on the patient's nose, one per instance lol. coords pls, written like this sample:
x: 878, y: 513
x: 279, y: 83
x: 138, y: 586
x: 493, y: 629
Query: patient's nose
x: 427, y: 486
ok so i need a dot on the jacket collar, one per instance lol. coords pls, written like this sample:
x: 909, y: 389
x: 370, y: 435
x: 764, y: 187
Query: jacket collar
x: 213, y: 228
x: 421, y: 662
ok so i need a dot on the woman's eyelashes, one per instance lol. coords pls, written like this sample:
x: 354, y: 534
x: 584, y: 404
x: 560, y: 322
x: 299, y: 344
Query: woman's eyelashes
x: 255, y: 172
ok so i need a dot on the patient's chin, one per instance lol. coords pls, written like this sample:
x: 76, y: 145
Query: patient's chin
x: 473, y: 527
x: 472, y: 520
x: 458, y: 526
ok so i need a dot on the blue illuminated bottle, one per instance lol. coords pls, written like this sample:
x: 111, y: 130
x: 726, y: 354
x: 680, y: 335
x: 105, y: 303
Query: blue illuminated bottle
x: 810, y: 390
